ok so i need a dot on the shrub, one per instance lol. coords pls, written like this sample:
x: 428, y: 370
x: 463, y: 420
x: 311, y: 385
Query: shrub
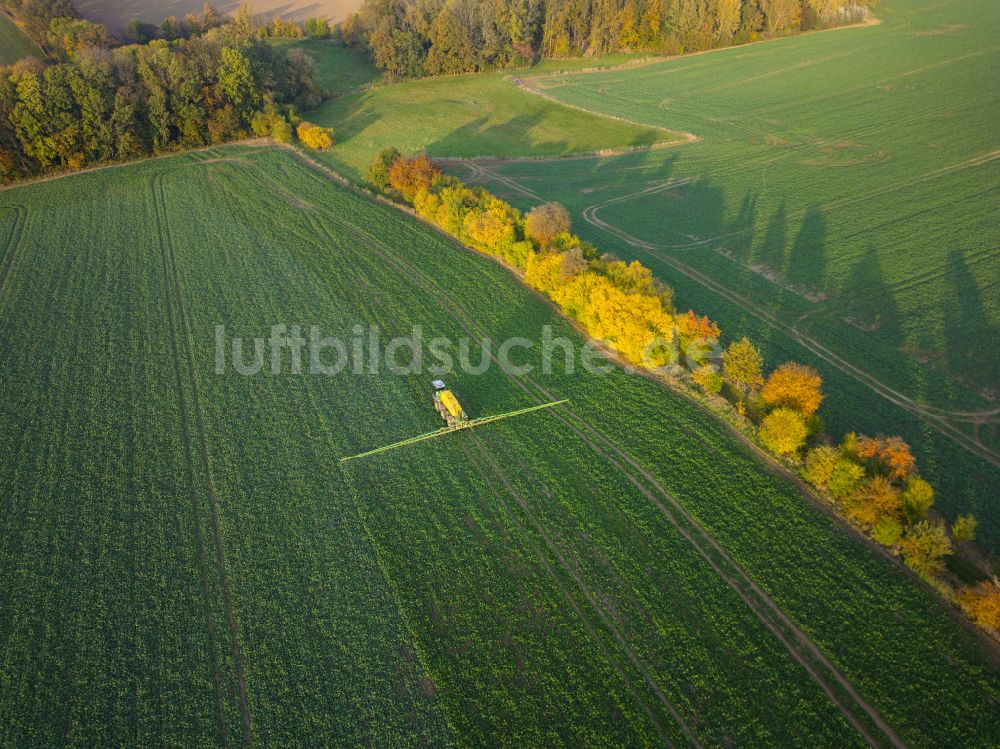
x: 315, y: 137
x: 964, y: 528
x: 887, y: 531
x: 923, y: 547
x: 916, y: 499
x: 845, y: 477
x: 707, y: 377
x: 872, y: 501
x: 981, y: 603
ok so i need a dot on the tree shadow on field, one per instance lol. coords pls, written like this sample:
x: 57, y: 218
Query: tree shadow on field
x: 771, y: 251
x: 972, y: 340
x: 509, y: 138
x: 807, y: 261
x: 742, y: 227
x: 349, y: 116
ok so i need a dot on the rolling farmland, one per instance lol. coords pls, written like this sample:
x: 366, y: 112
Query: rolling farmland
x: 189, y: 563
x: 840, y: 207
x: 467, y: 116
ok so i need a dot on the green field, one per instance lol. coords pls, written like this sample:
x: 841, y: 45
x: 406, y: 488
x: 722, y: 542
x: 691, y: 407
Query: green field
x: 13, y: 43
x: 842, y: 208
x: 466, y: 116
x: 186, y: 562
x: 340, y: 69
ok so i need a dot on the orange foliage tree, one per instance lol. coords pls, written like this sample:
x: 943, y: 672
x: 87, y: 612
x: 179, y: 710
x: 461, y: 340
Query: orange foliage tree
x: 874, y: 499
x: 794, y: 386
x: 408, y: 176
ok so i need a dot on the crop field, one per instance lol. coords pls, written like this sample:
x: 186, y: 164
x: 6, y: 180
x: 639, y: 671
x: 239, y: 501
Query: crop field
x: 467, y: 116
x: 842, y: 207
x: 13, y: 44
x: 339, y: 69
x: 186, y: 562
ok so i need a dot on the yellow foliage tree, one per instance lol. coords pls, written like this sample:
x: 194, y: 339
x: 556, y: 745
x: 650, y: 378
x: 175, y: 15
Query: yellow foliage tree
x: 493, y: 228
x: 783, y: 431
x: 981, y: 604
x: 315, y: 137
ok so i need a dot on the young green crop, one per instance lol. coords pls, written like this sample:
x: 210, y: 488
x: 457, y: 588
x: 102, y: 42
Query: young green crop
x: 524, y: 583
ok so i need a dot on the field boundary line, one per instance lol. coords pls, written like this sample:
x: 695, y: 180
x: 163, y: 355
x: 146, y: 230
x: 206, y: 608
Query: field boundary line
x: 189, y: 462
x: 471, y: 327
x: 206, y: 466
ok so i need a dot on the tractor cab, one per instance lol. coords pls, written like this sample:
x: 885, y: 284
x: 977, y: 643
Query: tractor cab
x: 447, y: 404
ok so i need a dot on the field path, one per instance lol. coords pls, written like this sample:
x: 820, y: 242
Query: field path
x: 170, y: 259
x: 798, y: 644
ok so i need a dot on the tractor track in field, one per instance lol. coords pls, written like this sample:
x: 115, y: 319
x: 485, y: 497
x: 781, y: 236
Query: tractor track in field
x: 13, y: 248
x: 797, y: 642
x: 167, y: 246
x: 189, y: 461
x: 587, y: 593
x: 381, y: 250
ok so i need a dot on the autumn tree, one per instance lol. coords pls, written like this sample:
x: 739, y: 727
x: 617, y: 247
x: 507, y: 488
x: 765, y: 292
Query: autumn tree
x: 707, y: 377
x: 981, y: 603
x: 408, y: 176
x: 378, y: 172
x: 924, y: 546
x: 964, y: 528
x: 871, y: 501
x: 315, y: 137
x: 887, y: 531
x: 743, y: 366
x: 889, y: 454
x: 845, y: 478
x: 794, y: 386
x: 916, y: 499
x: 820, y: 464
x: 783, y: 431
x: 696, y: 336
x: 545, y: 222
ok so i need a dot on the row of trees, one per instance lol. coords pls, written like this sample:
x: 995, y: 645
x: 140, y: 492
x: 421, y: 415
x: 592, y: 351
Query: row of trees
x: 871, y: 481
x: 433, y: 37
x: 106, y: 103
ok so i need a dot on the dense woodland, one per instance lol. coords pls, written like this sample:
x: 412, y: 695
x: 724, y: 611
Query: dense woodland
x: 100, y: 102
x: 434, y: 37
